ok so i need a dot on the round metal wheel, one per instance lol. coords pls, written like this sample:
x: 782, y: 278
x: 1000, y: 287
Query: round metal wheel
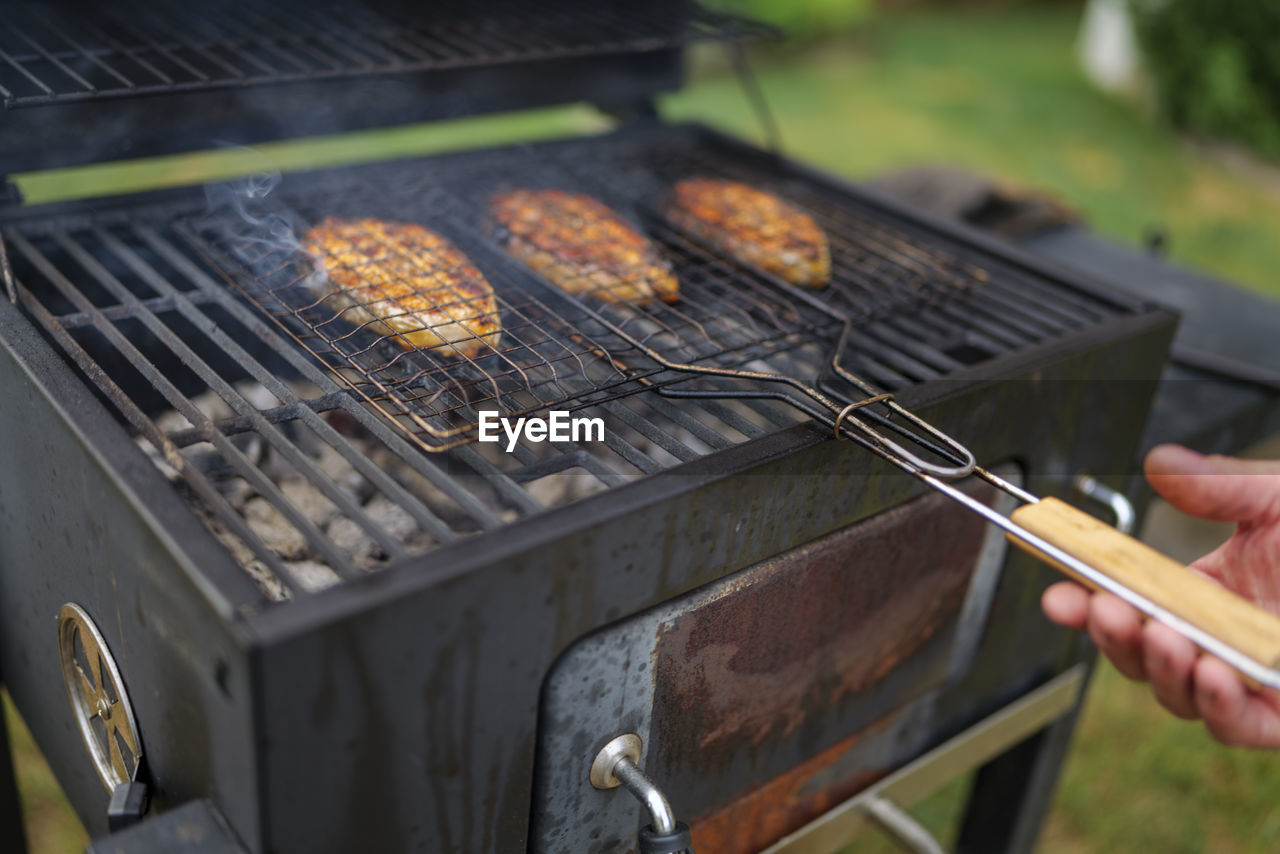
x: 98, y: 699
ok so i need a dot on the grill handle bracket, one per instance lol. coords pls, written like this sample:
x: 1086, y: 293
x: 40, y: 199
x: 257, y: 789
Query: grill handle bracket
x: 1115, y: 501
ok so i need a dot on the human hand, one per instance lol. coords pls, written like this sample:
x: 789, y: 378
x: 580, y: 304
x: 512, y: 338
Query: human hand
x: 1190, y: 685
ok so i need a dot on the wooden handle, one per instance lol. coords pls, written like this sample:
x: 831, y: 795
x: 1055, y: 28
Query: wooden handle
x: 1160, y: 579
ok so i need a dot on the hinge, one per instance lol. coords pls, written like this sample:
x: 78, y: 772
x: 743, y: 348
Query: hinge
x: 9, y: 193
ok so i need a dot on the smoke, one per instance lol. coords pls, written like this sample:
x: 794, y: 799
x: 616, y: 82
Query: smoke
x: 251, y: 221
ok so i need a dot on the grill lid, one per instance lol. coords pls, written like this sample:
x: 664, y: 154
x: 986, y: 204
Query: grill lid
x: 151, y: 77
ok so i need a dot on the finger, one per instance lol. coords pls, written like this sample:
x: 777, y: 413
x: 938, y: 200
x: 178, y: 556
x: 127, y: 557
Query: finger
x: 1216, y: 564
x: 1067, y: 604
x: 1170, y: 661
x: 1235, y: 716
x: 1117, y: 630
x: 1215, y: 487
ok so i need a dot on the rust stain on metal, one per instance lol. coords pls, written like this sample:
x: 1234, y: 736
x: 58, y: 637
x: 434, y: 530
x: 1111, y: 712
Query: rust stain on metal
x: 818, y: 627
x: 814, y: 626
x: 782, y: 805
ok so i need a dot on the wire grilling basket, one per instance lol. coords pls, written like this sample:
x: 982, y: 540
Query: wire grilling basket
x: 554, y: 349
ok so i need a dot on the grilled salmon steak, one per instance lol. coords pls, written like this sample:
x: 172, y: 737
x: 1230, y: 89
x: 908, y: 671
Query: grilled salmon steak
x: 755, y: 227
x: 404, y: 281
x: 583, y: 247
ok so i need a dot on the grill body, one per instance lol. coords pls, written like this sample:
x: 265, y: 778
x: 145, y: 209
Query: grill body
x: 411, y: 708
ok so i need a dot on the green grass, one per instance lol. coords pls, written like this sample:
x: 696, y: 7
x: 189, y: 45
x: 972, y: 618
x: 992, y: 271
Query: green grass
x: 997, y: 92
x: 52, y: 828
x: 1138, y: 779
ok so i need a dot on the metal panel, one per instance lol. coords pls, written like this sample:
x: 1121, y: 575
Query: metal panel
x: 925, y: 775
x: 424, y: 714
x: 86, y: 521
x: 735, y: 686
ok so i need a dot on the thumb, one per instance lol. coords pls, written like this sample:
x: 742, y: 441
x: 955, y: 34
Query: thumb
x: 1224, y: 489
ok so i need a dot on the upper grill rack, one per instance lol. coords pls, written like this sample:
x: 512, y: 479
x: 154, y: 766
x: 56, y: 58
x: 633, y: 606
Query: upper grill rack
x: 148, y: 47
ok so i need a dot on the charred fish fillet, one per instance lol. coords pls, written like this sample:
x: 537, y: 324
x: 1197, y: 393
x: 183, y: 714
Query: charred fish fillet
x: 582, y: 246
x: 755, y: 227
x: 408, y: 283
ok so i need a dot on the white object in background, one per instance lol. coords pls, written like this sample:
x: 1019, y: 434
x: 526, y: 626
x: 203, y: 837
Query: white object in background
x: 1108, y: 50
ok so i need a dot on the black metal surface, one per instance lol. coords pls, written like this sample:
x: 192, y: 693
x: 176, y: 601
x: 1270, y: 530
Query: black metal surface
x: 127, y: 805
x: 1220, y: 398
x: 1011, y: 795
x: 493, y: 616
x: 193, y: 828
x: 70, y: 51
x: 398, y: 711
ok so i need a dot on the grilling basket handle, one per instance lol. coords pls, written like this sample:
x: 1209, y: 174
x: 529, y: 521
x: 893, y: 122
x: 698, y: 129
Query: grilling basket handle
x: 1178, y: 594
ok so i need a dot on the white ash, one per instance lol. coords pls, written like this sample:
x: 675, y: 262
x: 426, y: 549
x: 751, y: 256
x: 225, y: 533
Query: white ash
x: 275, y: 531
x: 309, y: 501
x: 391, y: 517
x: 350, y: 539
x: 311, y: 575
x: 336, y: 467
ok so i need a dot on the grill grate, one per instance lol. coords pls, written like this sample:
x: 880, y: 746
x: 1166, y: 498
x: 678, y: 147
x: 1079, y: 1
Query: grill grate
x: 307, y: 484
x: 97, y: 51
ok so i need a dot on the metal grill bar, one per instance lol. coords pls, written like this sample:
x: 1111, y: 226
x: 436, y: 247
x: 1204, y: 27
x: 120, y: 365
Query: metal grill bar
x: 199, y: 484
x: 244, y: 467
x: 292, y: 405
x: 423, y: 466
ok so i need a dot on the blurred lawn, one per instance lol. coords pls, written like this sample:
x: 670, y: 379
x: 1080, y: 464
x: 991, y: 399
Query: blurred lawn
x: 997, y: 92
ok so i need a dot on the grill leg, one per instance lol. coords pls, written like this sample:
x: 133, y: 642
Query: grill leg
x: 1012, y: 793
x: 12, y: 836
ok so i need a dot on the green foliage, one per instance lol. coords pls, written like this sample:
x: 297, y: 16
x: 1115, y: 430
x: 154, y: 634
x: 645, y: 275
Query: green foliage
x: 808, y: 19
x: 1216, y: 65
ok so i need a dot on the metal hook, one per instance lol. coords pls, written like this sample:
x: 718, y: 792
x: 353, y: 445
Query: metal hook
x: 616, y: 765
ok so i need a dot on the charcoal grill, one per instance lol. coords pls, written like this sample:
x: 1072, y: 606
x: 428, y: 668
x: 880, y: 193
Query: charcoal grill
x: 343, y: 626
